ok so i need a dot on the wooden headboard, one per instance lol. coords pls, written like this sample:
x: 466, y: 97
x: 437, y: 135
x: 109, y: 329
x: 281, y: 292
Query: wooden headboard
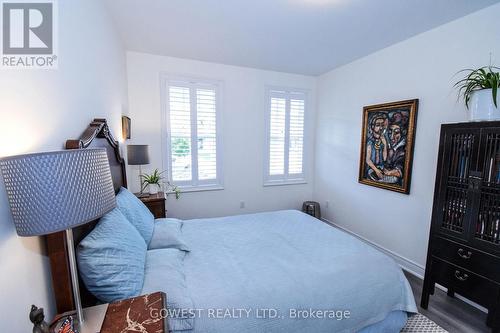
x: 96, y: 135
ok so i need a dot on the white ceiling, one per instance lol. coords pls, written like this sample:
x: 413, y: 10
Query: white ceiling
x: 296, y: 36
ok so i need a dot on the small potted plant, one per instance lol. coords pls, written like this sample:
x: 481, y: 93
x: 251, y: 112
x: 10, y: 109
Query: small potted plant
x: 479, y: 90
x: 153, y: 182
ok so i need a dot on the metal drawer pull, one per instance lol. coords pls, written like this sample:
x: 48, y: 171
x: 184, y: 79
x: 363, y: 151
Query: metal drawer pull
x: 460, y: 276
x: 463, y: 254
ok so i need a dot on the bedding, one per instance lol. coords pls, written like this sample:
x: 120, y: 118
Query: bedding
x: 111, y: 258
x: 393, y: 322
x: 136, y: 213
x: 167, y: 234
x: 164, y: 271
x: 270, y: 272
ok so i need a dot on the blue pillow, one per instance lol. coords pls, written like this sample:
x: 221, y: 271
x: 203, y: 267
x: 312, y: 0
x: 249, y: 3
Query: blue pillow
x: 136, y: 212
x: 165, y: 272
x: 111, y: 259
x: 167, y: 234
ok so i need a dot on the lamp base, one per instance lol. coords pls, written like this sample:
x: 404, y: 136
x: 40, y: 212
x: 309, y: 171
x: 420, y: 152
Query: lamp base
x: 94, y: 317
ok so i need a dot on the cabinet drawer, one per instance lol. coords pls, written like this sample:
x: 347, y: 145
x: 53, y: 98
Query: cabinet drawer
x: 473, y: 260
x: 464, y: 282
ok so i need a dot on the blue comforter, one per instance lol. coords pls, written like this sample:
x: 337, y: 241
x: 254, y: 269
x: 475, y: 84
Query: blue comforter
x: 274, y: 271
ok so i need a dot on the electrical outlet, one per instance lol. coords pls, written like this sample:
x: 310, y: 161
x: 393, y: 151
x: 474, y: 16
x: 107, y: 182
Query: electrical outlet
x: 242, y: 204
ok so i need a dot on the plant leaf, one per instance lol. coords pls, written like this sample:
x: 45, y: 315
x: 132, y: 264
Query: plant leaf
x: 494, y: 91
x: 477, y: 79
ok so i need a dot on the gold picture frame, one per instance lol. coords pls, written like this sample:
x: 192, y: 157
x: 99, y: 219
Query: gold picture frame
x: 126, y: 127
x: 387, y: 143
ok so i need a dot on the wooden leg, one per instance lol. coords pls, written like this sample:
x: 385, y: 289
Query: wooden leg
x: 424, y: 301
x: 426, y: 292
x: 428, y: 287
x: 450, y: 292
x: 493, y: 319
x: 432, y: 288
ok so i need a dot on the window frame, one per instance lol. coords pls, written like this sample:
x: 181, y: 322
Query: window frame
x: 195, y: 184
x: 286, y: 178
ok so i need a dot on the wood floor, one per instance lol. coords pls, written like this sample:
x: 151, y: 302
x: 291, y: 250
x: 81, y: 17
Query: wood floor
x: 450, y: 313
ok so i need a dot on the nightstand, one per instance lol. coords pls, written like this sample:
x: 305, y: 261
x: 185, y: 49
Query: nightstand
x: 155, y: 203
x: 146, y: 311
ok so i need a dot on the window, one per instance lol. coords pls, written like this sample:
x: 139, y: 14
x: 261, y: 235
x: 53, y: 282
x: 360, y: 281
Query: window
x: 285, y: 137
x: 192, y: 122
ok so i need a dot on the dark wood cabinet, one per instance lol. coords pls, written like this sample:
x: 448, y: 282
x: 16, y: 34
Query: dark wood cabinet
x: 155, y: 203
x: 464, y: 243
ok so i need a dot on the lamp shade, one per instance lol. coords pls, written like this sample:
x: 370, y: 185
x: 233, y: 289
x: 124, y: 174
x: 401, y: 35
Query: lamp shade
x: 54, y: 191
x: 137, y: 154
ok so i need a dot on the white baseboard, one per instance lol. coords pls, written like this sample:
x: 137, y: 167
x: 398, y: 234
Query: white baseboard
x: 406, y: 264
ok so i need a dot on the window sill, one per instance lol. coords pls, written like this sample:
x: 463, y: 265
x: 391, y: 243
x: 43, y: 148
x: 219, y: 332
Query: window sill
x: 284, y: 182
x: 186, y: 189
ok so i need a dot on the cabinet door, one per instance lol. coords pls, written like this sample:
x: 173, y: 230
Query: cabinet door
x: 458, y: 162
x: 485, y: 224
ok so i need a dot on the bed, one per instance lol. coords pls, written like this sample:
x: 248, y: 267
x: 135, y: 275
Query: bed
x: 286, y: 261
x: 272, y: 271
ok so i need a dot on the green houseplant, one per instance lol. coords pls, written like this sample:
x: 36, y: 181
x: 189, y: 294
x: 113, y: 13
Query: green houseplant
x: 153, y: 182
x: 479, y: 89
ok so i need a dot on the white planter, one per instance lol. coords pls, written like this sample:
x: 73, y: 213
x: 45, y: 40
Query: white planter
x: 481, y: 106
x: 153, y: 188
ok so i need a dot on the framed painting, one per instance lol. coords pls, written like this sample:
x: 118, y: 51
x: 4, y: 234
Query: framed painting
x: 387, y: 141
x: 126, y: 124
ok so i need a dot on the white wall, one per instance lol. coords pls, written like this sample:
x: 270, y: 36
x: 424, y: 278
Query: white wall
x: 243, y: 134
x: 421, y: 67
x: 39, y: 110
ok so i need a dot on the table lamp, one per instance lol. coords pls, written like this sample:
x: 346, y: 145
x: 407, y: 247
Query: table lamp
x: 56, y: 191
x: 138, y: 155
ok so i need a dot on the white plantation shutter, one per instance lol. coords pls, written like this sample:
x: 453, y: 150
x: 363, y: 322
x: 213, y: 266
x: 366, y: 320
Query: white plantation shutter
x: 277, y: 136
x: 207, y: 143
x: 192, y: 133
x: 180, y: 133
x: 285, y: 160
x: 296, y: 145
